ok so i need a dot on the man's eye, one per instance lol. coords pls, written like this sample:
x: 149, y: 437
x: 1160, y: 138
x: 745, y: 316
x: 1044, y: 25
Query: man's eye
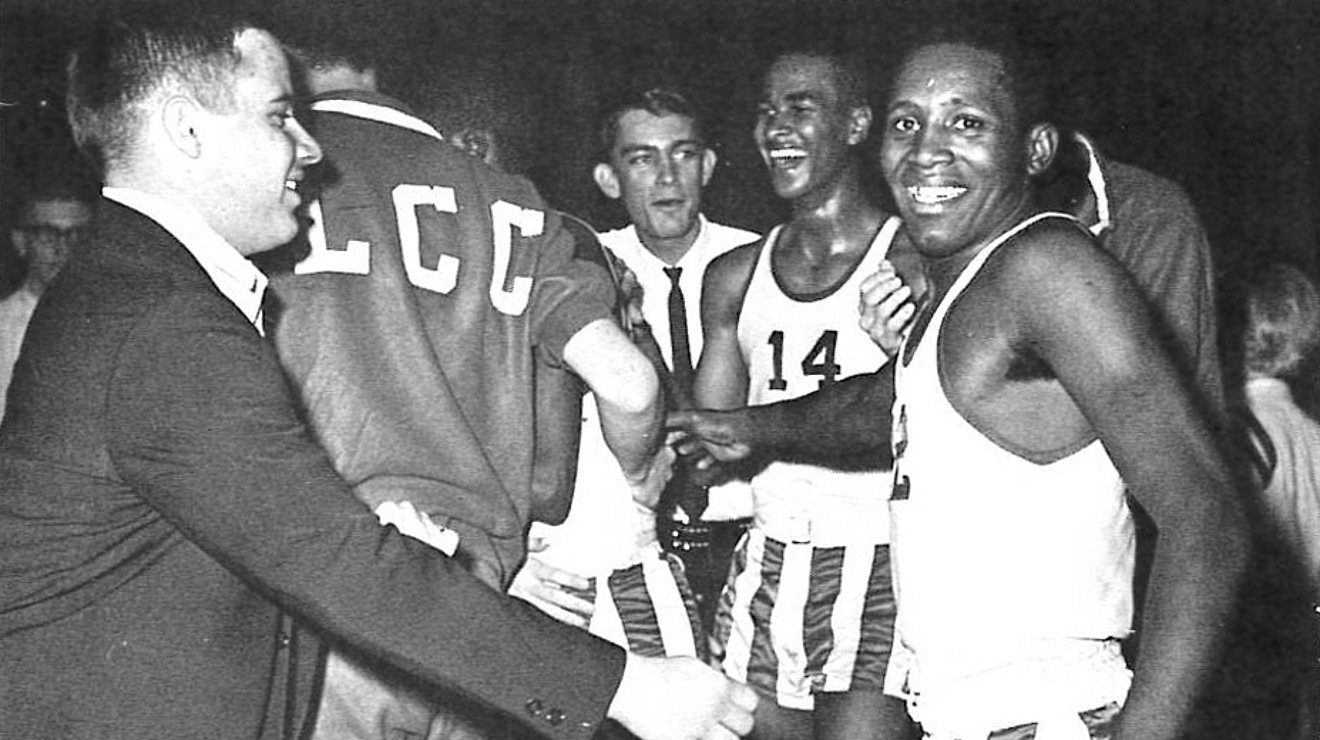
x: 639, y: 160
x: 282, y: 118
x: 968, y: 123
x: 904, y: 125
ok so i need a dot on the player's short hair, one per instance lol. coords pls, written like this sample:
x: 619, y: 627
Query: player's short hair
x: 1283, y: 321
x: 129, y: 58
x: 658, y: 101
x: 1030, y: 83
x: 330, y: 39
x: 851, y: 79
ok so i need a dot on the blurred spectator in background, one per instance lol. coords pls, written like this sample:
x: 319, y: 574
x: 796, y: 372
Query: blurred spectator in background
x: 1281, y: 333
x: 50, y: 221
x: 1283, y: 329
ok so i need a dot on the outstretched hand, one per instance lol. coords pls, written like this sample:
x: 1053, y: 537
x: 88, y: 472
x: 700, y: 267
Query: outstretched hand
x: 681, y: 699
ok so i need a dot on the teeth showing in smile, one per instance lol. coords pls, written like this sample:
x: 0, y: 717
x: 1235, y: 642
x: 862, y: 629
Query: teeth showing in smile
x: 930, y: 195
x: 787, y: 156
x: 291, y: 185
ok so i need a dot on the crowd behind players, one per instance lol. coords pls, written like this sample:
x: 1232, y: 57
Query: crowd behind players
x: 807, y: 617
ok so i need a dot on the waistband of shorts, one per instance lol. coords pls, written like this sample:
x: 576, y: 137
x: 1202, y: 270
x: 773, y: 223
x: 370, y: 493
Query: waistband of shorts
x: 826, y: 530
x: 1052, y: 683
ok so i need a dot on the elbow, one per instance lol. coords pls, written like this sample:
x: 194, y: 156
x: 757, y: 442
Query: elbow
x: 635, y: 390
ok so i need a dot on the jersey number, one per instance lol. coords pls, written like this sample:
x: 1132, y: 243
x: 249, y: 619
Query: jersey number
x: 355, y: 257
x: 819, y: 360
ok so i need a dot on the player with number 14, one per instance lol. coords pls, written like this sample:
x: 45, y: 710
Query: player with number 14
x: 780, y: 321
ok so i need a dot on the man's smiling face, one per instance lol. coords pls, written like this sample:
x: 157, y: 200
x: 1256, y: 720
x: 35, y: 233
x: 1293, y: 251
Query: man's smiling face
x: 954, y: 151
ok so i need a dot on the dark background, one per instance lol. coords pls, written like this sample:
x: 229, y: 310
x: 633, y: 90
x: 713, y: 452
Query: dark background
x: 1221, y: 97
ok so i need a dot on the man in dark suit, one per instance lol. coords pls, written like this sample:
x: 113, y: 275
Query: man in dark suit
x: 162, y: 507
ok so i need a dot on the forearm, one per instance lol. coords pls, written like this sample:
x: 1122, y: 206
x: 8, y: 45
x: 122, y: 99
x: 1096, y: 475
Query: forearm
x: 634, y: 436
x: 627, y: 393
x: 1189, y: 601
x: 844, y: 419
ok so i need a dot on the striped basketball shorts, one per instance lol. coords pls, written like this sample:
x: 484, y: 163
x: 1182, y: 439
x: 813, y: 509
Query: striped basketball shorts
x: 649, y: 609
x: 795, y: 620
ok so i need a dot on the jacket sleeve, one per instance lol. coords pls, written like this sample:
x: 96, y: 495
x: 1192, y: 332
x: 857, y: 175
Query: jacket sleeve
x: 205, y: 428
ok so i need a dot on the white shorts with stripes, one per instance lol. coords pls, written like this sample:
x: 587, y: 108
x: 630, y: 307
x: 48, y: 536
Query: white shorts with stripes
x: 648, y: 608
x: 797, y: 620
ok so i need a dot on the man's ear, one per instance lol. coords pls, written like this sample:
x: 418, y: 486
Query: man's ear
x: 607, y: 181
x: 860, y: 126
x: 181, y: 118
x: 708, y: 161
x: 1042, y: 145
x: 19, y: 238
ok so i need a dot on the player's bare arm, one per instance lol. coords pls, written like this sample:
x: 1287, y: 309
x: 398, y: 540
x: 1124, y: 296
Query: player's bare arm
x: 848, y: 417
x: 627, y: 394
x: 1077, y: 311
x: 721, y: 379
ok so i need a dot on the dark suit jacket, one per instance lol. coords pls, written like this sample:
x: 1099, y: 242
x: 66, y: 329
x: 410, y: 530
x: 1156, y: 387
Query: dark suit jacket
x: 161, y: 503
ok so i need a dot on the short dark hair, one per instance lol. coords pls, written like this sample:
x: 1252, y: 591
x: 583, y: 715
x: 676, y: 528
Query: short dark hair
x: 658, y: 101
x: 850, y: 71
x: 331, y: 37
x: 129, y: 58
x: 1029, y: 83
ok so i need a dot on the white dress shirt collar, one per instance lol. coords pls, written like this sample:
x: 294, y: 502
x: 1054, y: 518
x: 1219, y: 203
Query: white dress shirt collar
x: 694, y: 253
x: 233, y: 274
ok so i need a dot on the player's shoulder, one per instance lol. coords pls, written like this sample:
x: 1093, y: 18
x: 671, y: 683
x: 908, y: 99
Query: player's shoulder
x: 395, y: 129
x: 1049, y: 249
x: 735, y: 265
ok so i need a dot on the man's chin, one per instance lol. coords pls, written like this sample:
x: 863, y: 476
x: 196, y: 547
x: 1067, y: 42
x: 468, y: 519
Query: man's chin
x: 276, y: 236
x: 672, y: 228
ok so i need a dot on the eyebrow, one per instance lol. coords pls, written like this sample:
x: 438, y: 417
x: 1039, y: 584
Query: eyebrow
x: 636, y: 148
x: 793, y: 97
x: 958, y: 101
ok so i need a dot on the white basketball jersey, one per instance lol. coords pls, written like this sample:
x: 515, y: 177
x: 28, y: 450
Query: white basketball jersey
x: 993, y: 551
x: 793, y: 345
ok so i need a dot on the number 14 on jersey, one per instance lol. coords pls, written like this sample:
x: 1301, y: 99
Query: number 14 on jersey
x: 818, y: 361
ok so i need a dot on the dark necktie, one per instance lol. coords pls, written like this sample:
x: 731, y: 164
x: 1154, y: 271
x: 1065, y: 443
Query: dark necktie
x: 681, y: 356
